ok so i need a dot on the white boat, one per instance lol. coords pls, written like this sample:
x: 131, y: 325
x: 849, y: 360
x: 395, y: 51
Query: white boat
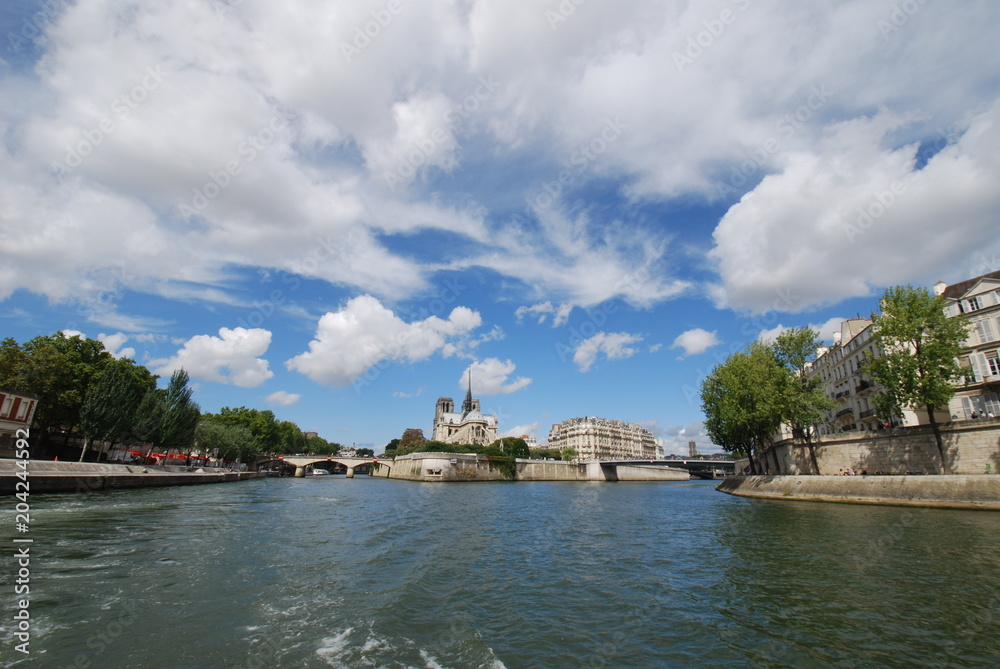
x: 320, y: 472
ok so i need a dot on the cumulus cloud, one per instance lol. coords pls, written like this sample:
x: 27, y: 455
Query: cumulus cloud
x: 695, y: 341
x: 490, y: 377
x: 232, y: 357
x: 282, y: 398
x: 675, y: 439
x: 364, y: 333
x: 851, y: 214
x: 824, y: 330
x: 531, y: 429
x: 614, y: 346
x: 542, y: 311
x: 114, y: 342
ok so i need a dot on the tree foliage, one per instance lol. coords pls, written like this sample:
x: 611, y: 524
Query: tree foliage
x: 744, y: 400
x: 919, y: 346
x: 225, y: 441
x: 59, y: 369
x: 109, y: 408
x: 181, y: 414
x: 514, y: 447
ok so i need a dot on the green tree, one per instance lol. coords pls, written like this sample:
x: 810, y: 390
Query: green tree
x: 514, y: 447
x: 262, y: 426
x: 180, y: 416
x: 108, y: 410
x: 412, y: 441
x: 568, y: 453
x: 390, y: 448
x: 290, y: 438
x: 148, y: 418
x: 804, y: 401
x: 59, y: 369
x: 918, y: 364
x: 365, y: 453
x: 743, y: 400
x: 227, y: 442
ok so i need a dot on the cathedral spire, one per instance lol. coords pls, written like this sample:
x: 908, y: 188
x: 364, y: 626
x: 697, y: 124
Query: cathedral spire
x: 467, y: 404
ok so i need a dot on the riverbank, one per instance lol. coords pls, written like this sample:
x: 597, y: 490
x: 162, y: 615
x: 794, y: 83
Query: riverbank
x: 45, y: 476
x: 472, y: 467
x: 959, y: 491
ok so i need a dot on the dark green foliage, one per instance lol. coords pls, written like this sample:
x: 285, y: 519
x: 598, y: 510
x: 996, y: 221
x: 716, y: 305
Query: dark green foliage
x: 744, y: 400
x: 110, y: 406
x: 514, y: 447
x: 920, y: 346
x: 181, y: 413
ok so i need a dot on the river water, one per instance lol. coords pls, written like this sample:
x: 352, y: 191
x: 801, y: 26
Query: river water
x: 368, y: 572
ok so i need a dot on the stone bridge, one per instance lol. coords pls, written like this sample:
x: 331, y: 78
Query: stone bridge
x: 304, y: 463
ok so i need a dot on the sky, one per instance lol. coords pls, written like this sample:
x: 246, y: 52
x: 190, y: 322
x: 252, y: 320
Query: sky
x: 337, y: 211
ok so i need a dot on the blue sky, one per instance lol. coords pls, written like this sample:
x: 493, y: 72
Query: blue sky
x: 335, y: 210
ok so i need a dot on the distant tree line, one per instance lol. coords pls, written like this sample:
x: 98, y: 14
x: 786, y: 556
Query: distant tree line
x: 83, y: 390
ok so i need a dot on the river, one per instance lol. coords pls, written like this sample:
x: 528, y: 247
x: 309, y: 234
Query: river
x: 368, y: 572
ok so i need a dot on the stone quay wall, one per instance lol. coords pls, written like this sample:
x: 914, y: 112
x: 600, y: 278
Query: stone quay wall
x: 955, y: 491
x: 46, y: 476
x: 971, y: 447
x: 471, y: 467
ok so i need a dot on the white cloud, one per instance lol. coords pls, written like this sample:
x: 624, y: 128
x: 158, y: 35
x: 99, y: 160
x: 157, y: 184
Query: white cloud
x: 232, y: 357
x: 825, y: 330
x: 695, y: 341
x: 114, y: 342
x: 282, y: 398
x: 675, y: 438
x: 614, y: 346
x: 530, y: 429
x: 490, y: 377
x: 285, y: 165
x: 364, y: 333
x: 420, y: 391
x: 542, y: 310
x: 851, y: 215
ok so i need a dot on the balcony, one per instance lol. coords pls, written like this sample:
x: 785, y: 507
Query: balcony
x: 842, y: 393
x: 866, y: 413
x: 844, y: 412
x: 864, y: 385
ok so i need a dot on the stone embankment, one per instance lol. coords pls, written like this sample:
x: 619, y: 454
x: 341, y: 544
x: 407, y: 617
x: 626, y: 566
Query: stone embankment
x: 47, y: 476
x: 959, y: 491
x: 470, y: 467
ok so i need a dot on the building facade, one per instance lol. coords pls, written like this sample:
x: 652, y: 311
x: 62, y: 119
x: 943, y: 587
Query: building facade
x: 840, y: 367
x: 469, y: 426
x: 17, y: 411
x: 601, y: 438
x: 978, y: 302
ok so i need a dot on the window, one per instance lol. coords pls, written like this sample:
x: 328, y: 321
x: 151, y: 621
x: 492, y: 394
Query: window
x: 973, y: 303
x: 994, y: 363
x: 985, y: 330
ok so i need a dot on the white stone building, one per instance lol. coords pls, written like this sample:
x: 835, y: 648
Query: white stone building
x: 468, y: 427
x: 840, y: 367
x: 978, y: 301
x: 604, y: 439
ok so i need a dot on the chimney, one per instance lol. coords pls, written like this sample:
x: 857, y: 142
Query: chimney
x: 940, y: 287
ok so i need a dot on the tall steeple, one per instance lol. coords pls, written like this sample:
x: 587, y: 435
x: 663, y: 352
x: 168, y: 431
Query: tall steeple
x: 467, y: 404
